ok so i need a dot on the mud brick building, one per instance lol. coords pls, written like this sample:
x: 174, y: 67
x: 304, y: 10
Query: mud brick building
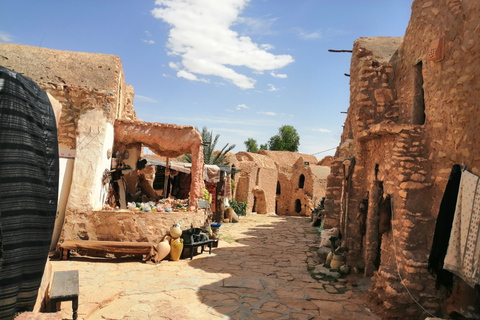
x: 413, y: 114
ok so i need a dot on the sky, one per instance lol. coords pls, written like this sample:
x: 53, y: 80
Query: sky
x: 242, y: 68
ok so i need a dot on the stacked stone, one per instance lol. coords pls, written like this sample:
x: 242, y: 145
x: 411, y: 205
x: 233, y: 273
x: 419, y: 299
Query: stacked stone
x: 76, y: 101
x: 373, y: 93
x: 333, y: 194
x: 405, y: 247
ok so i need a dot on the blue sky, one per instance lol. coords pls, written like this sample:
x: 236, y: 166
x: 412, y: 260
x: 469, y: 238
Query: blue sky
x: 243, y: 68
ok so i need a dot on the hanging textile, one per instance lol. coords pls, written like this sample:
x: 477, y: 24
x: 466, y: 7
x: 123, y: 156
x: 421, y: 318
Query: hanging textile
x: 463, y: 254
x: 28, y: 189
x: 442, y: 231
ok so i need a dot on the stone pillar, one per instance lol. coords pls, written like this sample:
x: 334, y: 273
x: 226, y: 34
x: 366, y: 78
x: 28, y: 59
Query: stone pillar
x: 372, y: 239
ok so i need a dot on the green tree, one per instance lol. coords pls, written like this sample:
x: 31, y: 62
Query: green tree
x: 287, y: 139
x: 251, y: 145
x: 210, y: 156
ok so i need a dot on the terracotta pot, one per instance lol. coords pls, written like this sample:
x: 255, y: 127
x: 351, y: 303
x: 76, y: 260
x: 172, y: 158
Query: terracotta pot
x: 329, y: 259
x: 176, y: 247
x: 337, y: 261
x: 175, y: 231
x: 163, y: 249
x: 229, y: 213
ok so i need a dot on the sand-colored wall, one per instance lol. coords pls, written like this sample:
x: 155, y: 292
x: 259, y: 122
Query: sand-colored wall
x: 384, y: 129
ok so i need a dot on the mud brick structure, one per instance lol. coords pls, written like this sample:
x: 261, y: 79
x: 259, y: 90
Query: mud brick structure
x: 281, y: 182
x: 413, y: 114
x: 97, y: 121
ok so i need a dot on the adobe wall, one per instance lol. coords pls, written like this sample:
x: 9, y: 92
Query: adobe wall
x: 274, y: 176
x: 404, y: 147
x: 256, y: 182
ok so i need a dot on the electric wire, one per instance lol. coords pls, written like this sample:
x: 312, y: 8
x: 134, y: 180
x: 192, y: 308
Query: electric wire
x: 323, y: 151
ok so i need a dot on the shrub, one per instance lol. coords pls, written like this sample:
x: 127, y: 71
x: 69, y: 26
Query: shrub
x: 239, y: 208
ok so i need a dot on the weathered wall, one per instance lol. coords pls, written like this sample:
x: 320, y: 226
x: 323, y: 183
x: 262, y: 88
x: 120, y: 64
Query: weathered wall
x: 413, y: 143
x: 256, y: 182
x: 269, y: 181
x: 129, y: 226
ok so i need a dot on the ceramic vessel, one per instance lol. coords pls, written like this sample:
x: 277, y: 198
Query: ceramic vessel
x: 176, y: 247
x: 175, y: 231
x: 163, y: 249
x: 337, y: 261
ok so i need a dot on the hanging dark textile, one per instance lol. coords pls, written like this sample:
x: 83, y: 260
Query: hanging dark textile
x: 28, y: 189
x: 443, y: 228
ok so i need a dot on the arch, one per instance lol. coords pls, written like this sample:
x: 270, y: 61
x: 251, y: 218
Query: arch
x: 259, y: 201
x: 301, y: 181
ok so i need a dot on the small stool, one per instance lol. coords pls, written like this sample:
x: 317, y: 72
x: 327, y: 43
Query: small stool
x: 65, y: 288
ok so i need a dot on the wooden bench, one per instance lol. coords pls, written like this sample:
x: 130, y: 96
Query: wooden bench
x: 64, y: 288
x: 105, y: 246
x: 192, y: 239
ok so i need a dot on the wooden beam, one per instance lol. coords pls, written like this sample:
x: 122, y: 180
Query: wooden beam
x: 332, y: 50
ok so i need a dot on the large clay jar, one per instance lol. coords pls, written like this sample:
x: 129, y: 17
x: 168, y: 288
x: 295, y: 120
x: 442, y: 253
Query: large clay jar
x: 229, y: 213
x: 176, y: 247
x: 175, y: 231
x: 163, y: 249
x: 337, y: 261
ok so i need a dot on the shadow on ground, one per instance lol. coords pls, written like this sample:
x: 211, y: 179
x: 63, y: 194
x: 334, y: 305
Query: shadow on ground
x: 269, y: 274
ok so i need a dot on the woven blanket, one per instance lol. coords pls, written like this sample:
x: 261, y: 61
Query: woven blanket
x: 28, y: 189
x: 463, y: 254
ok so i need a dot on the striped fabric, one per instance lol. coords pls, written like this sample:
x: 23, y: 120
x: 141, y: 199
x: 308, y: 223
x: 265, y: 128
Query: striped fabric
x: 28, y: 189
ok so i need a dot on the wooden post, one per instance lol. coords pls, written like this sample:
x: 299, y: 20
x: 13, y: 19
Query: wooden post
x: 220, y: 207
x: 167, y: 175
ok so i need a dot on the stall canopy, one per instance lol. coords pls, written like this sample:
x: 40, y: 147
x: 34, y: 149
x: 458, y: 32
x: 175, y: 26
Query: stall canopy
x: 211, y: 173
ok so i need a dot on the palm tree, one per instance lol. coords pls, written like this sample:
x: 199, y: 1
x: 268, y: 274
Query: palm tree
x: 210, y: 156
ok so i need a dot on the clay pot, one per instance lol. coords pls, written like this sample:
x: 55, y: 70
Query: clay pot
x: 344, y: 269
x: 175, y: 231
x: 337, y: 261
x: 229, y: 213
x: 176, y: 247
x: 329, y: 259
x: 163, y: 249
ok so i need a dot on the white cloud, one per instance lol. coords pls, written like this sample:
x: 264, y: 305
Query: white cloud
x: 148, y: 41
x: 278, y: 75
x: 201, y: 35
x: 189, y: 76
x: 272, y: 88
x: 308, y: 35
x: 267, y: 113
x: 5, y: 37
x: 321, y: 130
x: 267, y: 46
x: 257, y: 26
x: 145, y: 99
x: 242, y: 106
x: 174, y: 66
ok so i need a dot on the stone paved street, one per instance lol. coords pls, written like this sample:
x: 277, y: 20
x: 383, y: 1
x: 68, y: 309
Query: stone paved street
x: 262, y: 269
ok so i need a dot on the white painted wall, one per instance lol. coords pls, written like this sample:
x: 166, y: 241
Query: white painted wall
x: 94, y: 139
x: 64, y: 184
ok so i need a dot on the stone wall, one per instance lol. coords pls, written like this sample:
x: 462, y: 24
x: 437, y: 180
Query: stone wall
x: 412, y: 115
x: 132, y: 226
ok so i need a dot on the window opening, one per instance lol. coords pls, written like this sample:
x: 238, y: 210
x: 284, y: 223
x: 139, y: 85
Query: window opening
x: 419, y: 100
x: 301, y: 181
